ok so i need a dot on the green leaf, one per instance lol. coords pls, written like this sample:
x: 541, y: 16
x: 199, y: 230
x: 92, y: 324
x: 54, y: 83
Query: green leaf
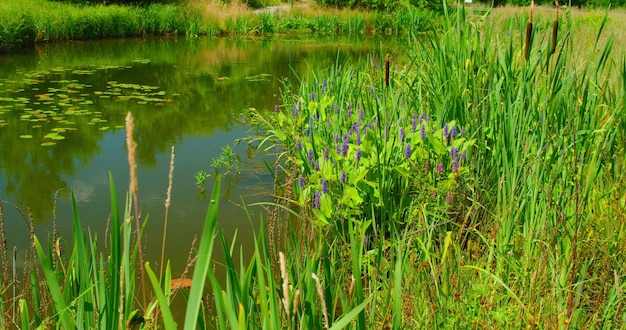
x: 168, y: 318
x: 52, y: 282
x: 204, y: 260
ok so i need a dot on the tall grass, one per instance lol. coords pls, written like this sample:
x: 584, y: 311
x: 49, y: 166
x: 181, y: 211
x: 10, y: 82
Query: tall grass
x: 25, y: 23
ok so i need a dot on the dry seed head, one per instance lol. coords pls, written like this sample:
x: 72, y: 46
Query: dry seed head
x: 296, y: 301
x: 170, y: 179
x: 132, y: 150
x: 320, y: 292
x: 283, y: 274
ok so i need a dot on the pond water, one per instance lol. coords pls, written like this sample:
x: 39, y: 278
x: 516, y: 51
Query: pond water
x: 62, y: 110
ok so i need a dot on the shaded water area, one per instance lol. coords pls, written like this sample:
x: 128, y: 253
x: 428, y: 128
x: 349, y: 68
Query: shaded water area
x: 62, y: 110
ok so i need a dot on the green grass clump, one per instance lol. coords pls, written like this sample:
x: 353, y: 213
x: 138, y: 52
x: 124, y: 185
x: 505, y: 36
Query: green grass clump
x: 25, y: 23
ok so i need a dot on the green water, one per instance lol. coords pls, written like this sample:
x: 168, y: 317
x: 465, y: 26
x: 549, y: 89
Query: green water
x: 62, y: 110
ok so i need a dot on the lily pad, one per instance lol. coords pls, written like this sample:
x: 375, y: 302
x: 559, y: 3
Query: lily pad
x: 26, y: 136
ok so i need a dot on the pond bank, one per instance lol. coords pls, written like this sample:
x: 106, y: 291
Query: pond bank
x: 29, y: 23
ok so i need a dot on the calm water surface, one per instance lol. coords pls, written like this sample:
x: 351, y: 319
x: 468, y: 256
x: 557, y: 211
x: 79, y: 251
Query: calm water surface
x: 62, y: 110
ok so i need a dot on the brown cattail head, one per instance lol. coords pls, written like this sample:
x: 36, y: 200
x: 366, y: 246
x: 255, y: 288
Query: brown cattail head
x: 529, y: 31
x: 555, y: 29
x: 387, y: 70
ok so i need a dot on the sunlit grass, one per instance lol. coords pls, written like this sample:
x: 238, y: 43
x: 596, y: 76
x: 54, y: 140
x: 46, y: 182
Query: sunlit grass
x: 477, y: 188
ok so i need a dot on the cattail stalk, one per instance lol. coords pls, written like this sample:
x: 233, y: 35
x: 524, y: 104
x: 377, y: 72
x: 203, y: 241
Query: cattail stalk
x: 320, y: 292
x: 133, y: 188
x: 387, y: 70
x: 168, y: 200
x: 529, y: 31
x: 555, y: 29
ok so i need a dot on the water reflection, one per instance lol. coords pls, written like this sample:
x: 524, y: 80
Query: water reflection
x: 62, y: 110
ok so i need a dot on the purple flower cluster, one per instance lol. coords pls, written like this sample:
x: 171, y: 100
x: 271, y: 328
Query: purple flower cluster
x: 344, y: 146
x: 316, y: 200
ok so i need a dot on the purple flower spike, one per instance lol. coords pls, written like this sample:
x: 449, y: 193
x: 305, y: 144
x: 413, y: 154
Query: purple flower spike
x: 361, y: 113
x: 336, y: 138
x: 276, y: 108
x: 440, y: 168
x: 445, y: 130
x: 423, y: 132
x: 464, y: 155
x: 407, y: 151
x: 301, y: 182
x: 371, y: 90
x: 344, y: 146
x: 342, y: 179
x: 402, y: 135
x: 316, y: 200
x: 325, y: 82
x: 323, y: 90
x: 455, y: 165
x: 310, y: 155
x: 294, y: 112
x: 313, y: 96
x: 413, y: 123
x: 462, y: 131
x: 326, y: 151
x: 453, y: 132
x: 349, y: 113
x: 358, y: 155
x: 454, y: 153
x: 324, y: 186
x: 420, y: 119
x: 316, y: 165
x: 299, y: 145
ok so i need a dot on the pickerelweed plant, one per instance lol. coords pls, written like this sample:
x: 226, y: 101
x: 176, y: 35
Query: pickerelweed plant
x: 358, y: 151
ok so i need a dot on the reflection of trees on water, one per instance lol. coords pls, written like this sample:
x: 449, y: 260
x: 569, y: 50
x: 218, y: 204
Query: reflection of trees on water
x: 207, y: 84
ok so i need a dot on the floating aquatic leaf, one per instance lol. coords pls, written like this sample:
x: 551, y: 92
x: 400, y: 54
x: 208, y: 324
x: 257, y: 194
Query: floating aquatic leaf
x: 47, y: 144
x: 104, y: 128
x: 26, y: 136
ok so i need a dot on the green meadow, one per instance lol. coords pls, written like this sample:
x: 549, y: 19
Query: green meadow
x: 476, y: 181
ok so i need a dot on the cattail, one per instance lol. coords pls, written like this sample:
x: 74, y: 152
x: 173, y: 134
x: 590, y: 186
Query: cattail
x: 555, y: 29
x: 320, y: 292
x: 529, y: 30
x: 387, y: 70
